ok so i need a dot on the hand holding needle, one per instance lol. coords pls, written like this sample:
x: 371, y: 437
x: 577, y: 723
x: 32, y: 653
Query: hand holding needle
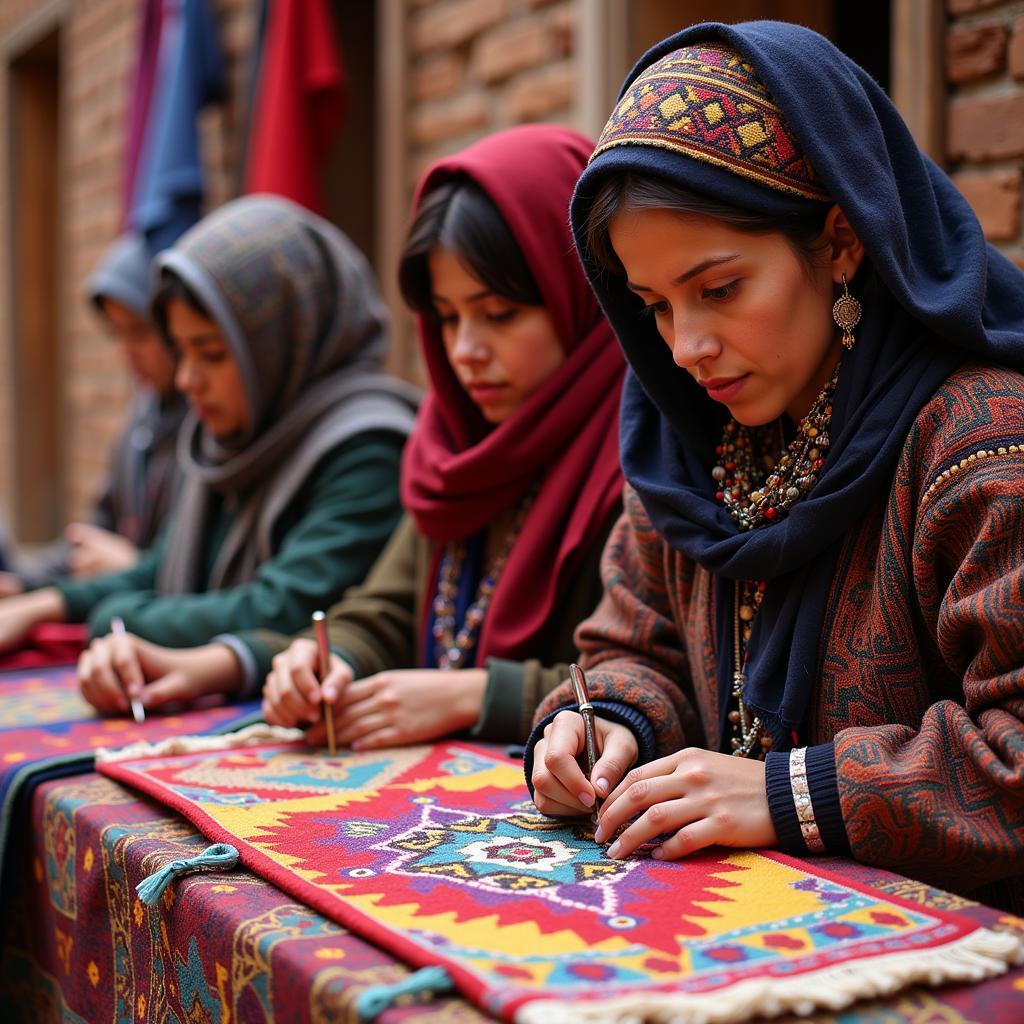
x: 138, y: 711
x: 323, y: 648
x: 586, y: 709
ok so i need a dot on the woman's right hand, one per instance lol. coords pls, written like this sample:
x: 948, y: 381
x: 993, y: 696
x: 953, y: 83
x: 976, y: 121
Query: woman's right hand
x: 560, y: 788
x: 19, y: 614
x: 292, y: 693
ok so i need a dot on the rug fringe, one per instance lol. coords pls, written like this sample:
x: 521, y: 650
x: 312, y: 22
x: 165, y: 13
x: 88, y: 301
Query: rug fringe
x: 982, y: 954
x: 250, y: 736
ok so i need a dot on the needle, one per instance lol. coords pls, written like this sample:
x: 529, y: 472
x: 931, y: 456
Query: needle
x: 324, y: 666
x: 117, y: 628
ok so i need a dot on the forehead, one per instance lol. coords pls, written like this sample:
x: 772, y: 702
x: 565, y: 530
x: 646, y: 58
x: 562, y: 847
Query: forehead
x: 450, y: 278
x: 184, y: 321
x: 661, y: 238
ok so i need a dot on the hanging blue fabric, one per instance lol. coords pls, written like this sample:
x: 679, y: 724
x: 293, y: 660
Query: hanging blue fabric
x: 168, y: 193
x: 377, y: 998
x: 220, y: 855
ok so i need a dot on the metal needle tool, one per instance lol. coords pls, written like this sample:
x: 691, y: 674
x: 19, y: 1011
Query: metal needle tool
x: 323, y: 649
x: 138, y: 711
x: 586, y: 709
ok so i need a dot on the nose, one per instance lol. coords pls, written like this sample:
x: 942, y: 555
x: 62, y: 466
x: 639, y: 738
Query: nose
x: 185, y: 377
x: 467, y: 345
x: 691, y: 341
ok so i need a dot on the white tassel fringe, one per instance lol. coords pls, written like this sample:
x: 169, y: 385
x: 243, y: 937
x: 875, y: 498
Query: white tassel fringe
x: 982, y: 954
x: 251, y: 736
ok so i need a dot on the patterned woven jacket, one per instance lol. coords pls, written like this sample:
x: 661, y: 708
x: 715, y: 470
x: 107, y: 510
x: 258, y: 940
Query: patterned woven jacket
x: 917, y: 722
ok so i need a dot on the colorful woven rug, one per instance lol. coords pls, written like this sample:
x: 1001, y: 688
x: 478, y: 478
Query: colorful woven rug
x: 437, y: 854
x: 48, y: 731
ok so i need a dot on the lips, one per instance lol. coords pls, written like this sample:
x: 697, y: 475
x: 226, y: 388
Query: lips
x: 481, y: 390
x: 723, y: 389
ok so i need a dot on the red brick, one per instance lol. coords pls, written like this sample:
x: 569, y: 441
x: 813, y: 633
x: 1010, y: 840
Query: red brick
x: 437, y: 123
x: 562, y: 25
x: 1015, y: 54
x: 975, y: 52
x: 451, y: 23
x: 501, y: 53
x: 987, y: 128
x: 968, y: 6
x: 437, y: 78
x: 536, y: 96
x: 995, y: 198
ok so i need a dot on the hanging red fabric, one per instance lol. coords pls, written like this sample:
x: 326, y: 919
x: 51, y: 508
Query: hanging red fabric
x: 299, y: 105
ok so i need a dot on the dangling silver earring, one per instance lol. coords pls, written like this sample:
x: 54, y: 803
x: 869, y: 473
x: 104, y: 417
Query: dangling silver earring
x: 846, y: 313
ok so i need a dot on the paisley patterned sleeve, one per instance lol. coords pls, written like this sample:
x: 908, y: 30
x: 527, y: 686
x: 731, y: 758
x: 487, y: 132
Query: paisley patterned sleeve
x: 945, y: 801
x: 631, y: 648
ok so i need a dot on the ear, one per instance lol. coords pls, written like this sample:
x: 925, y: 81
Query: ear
x: 846, y: 251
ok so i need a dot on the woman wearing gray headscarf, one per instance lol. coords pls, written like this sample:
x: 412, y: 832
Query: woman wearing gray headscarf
x: 290, y: 452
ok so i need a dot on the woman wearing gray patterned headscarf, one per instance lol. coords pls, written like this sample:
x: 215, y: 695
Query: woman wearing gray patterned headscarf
x: 290, y: 452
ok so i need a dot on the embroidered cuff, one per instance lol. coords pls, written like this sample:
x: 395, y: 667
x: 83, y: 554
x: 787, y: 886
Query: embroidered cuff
x: 623, y: 714
x: 802, y: 801
x: 813, y: 775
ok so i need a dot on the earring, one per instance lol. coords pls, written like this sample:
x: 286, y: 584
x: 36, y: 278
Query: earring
x: 846, y: 313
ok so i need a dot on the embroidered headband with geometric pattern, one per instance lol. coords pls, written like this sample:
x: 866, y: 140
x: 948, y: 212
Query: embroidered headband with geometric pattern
x: 707, y: 103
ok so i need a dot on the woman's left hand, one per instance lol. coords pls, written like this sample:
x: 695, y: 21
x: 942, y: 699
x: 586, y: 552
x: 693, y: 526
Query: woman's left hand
x: 116, y: 668
x: 698, y: 797
x: 404, y: 706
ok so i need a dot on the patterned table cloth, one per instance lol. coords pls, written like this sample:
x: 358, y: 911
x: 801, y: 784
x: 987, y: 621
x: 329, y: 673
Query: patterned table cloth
x: 79, y: 946
x: 47, y: 731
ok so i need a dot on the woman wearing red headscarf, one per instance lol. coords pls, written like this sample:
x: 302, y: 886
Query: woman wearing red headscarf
x: 510, y: 480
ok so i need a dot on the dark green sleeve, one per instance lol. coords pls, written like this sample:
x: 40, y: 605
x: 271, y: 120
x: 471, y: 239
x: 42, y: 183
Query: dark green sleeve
x: 515, y: 688
x: 336, y: 526
x: 82, y: 596
x: 373, y: 627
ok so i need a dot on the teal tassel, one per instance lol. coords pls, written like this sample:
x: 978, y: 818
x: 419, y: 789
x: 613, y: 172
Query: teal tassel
x: 377, y: 998
x: 220, y: 855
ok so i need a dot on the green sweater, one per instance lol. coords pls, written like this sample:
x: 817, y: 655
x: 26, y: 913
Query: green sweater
x: 325, y: 541
x: 377, y: 627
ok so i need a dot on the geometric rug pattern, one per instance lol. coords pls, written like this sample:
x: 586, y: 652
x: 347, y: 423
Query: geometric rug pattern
x: 437, y: 854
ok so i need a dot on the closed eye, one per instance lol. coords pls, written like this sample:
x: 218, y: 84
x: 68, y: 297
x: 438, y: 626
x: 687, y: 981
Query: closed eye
x: 656, y: 308
x: 722, y: 293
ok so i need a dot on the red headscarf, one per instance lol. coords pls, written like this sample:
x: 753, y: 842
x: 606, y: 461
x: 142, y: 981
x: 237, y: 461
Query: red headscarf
x: 459, y: 473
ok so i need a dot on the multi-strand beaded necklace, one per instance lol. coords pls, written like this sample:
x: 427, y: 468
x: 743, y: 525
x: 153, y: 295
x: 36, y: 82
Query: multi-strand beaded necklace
x: 451, y: 647
x: 758, y: 487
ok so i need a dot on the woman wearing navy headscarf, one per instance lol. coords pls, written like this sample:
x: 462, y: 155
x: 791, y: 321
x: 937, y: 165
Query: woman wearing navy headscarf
x: 812, y: 634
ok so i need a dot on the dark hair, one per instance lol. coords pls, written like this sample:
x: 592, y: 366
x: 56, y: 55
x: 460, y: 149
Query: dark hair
x: 171, y: 286
x: 459, y: 216
x: 634, y: 191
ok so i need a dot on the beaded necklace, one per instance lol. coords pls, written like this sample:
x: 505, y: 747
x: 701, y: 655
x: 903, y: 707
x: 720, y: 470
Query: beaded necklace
x: 451, y: 648
x: 749, y: 738
x: 757, y: 493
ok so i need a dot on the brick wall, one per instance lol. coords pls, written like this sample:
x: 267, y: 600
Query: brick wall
x: 985, y: 118
x: 98, y: 45
x: 476, y: 66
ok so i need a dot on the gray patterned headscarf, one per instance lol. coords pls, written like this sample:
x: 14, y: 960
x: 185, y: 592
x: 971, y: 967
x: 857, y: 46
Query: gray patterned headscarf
x: 298, y: 305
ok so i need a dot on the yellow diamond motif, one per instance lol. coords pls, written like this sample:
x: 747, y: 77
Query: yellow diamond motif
x: 714, y: 113
x: 672, y: 105
x: 752, y: 133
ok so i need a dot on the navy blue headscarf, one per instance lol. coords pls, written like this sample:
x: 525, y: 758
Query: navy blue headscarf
x: 943, y: 296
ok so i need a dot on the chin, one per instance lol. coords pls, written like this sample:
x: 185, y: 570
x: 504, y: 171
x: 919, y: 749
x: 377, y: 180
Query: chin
x: 494, y: 416
x: 754, y: 417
